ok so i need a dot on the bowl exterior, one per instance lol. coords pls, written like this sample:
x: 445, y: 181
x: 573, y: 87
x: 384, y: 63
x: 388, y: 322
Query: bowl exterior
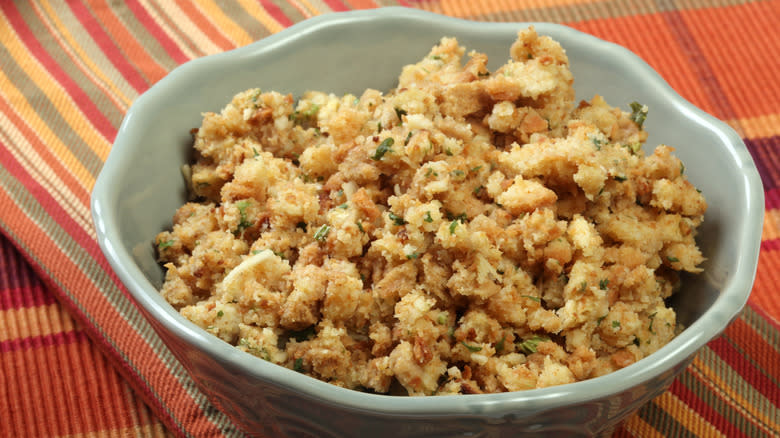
x: 140, y: 187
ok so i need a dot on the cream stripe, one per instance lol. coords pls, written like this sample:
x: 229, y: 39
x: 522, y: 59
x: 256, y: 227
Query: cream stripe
x: 260, y: 14
x: 235, y: 33
x: 109, y: 90
x: 34, y: 321
x: 57, y: 95
x: 735, y: 391
x: 315, y: 7
x: 89, y: 53
x: 60, y: 150
x: 183, y: 22
x: 686, y: 416
x: 41, y: 172
x: 184, y: 47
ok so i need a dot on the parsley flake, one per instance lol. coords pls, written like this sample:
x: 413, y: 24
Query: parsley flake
x: 322, y: 233
x: 638, y: 113
x: 383, y: 148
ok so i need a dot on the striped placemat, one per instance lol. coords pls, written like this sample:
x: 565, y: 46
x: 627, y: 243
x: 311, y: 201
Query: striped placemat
x: 77, y: 358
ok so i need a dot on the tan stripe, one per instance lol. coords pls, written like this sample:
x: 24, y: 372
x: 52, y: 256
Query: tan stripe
x: 27, y: 112
x: 639, y: 427
x: 28, y: 322
x: 40, y: 171
x: 185, y: 47
x: 771, y: 228
x: 69, y: 27
x: 740, y: 395
x: 686, y: 416
x: 254, y: 9
x: 202, y: 42
x: 305, y: 7
x: 234, y: 32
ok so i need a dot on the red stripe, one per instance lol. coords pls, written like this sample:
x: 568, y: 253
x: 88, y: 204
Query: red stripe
x: 54, y: 209
x: 336, y: 5
x: 714, y: 417
x: 276, y: 13
x: 770, y: 245
x: 156, y: 31
x: 59, y: 338
x: 26, y: 297
x: 736, y: 360
x: 772, y: 197
x: 85, y: 104
x: 112, y: 52
x: 151, y: 372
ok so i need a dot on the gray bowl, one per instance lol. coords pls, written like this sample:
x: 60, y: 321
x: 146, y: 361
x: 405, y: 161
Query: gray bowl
x: 140, y: 187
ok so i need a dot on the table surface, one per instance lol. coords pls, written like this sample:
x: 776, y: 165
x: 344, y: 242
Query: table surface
x: 76, y: 357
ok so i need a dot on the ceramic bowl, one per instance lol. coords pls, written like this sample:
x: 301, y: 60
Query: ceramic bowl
x: 141, y: 186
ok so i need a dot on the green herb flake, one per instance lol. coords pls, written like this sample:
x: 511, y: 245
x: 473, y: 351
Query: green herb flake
x: 532, y: 298
x: 638, y: 113
x: 475, y: 169
x: 448, y: 152
x: 673, y: 259
x: 472, y: 348
x: 322, y: 233
x: 166, y: 244
x: 620, y: 178
x: 601, y: 318
x: 435, y: 57
x: 530, y: 346
x: 360, y: 226
x: 458, y: 173
x: 603, y: 284
x: 298, y: 365
x: 428, y: 217
x: 412, y: 256
x: 343, y: 206
x: 243, y: 222
x: 615, y: 324
x: 478, y: 190
x: 408, y: 137
x: 500, y: 344
x: 383, y: 148
x: 453, y: 225
x: 583, y: 286
x: 682, y: 168
x: 652, y: 318
x: 400, y: 112
x: 397, y: 220
x: 597, y: 143
x: 220, y: 314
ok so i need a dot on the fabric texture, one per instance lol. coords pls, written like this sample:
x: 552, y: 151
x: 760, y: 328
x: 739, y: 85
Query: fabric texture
x: 76, y: 356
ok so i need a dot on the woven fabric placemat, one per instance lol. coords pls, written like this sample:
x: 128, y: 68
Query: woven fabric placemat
x: 76, y: 356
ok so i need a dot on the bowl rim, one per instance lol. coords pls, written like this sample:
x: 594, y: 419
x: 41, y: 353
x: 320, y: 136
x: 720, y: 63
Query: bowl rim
x: 723, y: 311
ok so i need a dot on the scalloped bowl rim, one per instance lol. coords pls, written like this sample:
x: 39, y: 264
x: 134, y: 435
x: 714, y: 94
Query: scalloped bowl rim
x: 722, y: 312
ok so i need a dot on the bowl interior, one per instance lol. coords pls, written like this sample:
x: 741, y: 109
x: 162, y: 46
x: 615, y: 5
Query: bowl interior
x: 141, y: 185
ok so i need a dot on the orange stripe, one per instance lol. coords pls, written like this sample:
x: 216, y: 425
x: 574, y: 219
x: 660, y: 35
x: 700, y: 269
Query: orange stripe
x: 759, y: 126
x: 131, y: 47
x: 31, y: 145
x: 361, y: 4
x: 735, y: 55
x: 736, y: 400
x: 158, y: 376
x: 60, y: 150
x: 86, y: 59
x: 260, y: 14
x: 764, y: 295
x: 33, y: 321
x: 756, y: 347
x: 686, y: 416
x: 204, y: 25
x: 771, y: 229
x: 58, y: 97
x: 239, y: 36
x: 639, y: 427
x: 471, y: 8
